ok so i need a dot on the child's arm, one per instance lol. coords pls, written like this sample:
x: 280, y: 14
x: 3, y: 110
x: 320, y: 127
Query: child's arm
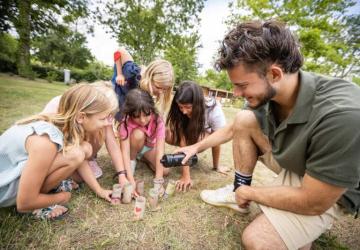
x: 121, y: 56
x: 116, y: 155
x: 120, y: 79
x: 185, y: 181
x: 89, y: 178
x: 42, y: 153
x: 125, y: 150
x: 160, y: 148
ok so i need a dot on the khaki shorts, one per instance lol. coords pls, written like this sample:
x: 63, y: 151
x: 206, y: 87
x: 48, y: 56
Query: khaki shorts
x: 294, y: 229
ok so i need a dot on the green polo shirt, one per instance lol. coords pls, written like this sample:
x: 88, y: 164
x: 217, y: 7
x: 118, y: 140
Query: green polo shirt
x: 322, y: 135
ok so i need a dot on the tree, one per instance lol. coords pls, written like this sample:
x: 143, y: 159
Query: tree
x: 8, y: 47
x: 147, y: 27
x: 182, y: 55
x: 216, y: 79
x: 329, y: 36
x: 32, y: 18
x: 63, y: 47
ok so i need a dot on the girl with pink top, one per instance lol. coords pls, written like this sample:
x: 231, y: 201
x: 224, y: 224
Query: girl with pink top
x: 142, y: 134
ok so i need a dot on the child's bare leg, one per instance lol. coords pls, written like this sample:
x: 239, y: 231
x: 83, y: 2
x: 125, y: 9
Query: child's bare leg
x: 65, y: 165
x: 150, y: 157
x: 169, y: 137
x: 95, y: 144
x: 216, y: 159
x: 137, y: 141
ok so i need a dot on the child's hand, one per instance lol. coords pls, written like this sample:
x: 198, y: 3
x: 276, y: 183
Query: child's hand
x: 184, y: 184
x: 120, y: 80
x: 105, y: 194
x: 133, y: 183
x: 65, y: 197
x: 122, y: 180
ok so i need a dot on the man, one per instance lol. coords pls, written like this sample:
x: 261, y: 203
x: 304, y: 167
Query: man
x: 301, y: 125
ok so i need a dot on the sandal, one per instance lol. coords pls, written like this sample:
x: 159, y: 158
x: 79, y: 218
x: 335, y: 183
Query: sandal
x: 66, y: 186
x: 95, y: 168
x: 45, y: 213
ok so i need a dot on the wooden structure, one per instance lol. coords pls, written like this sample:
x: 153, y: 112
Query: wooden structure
x: 221, y: 95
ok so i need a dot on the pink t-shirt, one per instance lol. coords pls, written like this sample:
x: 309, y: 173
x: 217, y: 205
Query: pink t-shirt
x: 152, y: 131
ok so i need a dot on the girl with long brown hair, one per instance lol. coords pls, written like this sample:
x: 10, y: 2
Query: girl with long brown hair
x: 190, y: 119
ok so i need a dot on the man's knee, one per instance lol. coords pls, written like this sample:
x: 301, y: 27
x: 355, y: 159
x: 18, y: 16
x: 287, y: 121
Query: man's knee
x: 260, y: 234
x: 248, y: 238
x: 245, y: 120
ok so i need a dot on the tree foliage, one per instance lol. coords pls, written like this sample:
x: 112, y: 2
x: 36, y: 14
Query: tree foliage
x: 8, y: 47
x: 147, y: 27
x: 219, y: 80
x: 182, y: 55
x: 33, y: 18
x: 62, y: 47
x: 329, y: 36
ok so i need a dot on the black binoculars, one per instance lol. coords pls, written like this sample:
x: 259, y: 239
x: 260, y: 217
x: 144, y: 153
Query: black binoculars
x: 174, y: 160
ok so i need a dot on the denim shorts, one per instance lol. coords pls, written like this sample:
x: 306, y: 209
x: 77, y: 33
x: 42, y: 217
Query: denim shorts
x: 132, y: 75
x: 142, y: 152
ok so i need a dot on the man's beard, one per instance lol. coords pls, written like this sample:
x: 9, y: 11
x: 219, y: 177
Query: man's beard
x: 270, y: 92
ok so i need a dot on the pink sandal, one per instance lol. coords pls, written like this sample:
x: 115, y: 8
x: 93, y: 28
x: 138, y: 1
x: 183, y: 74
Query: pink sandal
x: 95, y: 168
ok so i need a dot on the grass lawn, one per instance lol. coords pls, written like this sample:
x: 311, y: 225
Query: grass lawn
x: 184, y: 221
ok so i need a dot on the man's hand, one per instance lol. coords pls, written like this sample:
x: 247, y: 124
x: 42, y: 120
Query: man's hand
x: 188, y: 151
x: 240, y: 196
x: 184, y: 184
x: 120, y: 80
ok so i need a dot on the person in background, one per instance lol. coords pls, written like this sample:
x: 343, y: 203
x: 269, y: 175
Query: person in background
x: 157, y: 79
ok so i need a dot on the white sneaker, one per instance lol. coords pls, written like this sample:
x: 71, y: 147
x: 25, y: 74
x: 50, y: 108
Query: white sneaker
x: 223, y: 197
x: 133, y: 166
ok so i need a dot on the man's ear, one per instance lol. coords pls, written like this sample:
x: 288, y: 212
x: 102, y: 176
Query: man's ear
x: 80, y: 117
x: 275, y: 73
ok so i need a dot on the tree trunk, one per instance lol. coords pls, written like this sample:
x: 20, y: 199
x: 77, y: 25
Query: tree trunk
x: 23, y: 28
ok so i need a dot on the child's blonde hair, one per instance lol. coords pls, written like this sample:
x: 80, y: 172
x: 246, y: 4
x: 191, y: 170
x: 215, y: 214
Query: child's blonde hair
x: 80, y: 98
x: 106, y: 88
x: 161, y: 72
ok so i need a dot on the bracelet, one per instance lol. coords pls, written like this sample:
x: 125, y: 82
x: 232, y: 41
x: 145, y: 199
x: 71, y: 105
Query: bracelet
x: 119, y: 173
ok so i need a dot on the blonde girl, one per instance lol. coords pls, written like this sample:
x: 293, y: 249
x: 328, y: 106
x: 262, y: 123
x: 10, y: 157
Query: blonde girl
x: 157, y: 79
x: 39, y: 152
x: 97, y: 139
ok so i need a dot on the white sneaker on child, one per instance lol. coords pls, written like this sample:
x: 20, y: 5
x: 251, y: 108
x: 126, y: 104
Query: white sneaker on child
x: 133, y: 166
x: 223, y: 197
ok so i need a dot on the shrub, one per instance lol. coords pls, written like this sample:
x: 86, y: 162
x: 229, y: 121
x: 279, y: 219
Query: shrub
x: 7, y: 66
